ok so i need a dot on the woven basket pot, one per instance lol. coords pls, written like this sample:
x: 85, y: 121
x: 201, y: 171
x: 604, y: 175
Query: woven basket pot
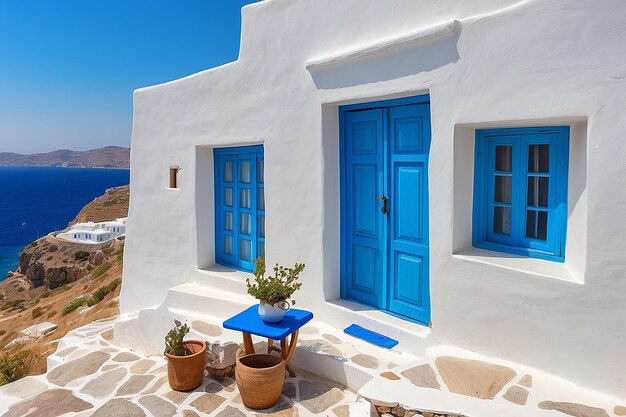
x: 185, y: 373
x: 260, y: 379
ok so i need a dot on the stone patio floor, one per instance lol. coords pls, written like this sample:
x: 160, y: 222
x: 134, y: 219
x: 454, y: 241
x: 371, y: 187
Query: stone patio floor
x: 88, y: 376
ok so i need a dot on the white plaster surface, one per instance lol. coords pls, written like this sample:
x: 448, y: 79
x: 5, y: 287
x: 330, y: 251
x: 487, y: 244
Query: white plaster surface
x: 513, y: 63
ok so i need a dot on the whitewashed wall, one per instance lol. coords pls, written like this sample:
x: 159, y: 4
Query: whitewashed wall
x: 513, y: 63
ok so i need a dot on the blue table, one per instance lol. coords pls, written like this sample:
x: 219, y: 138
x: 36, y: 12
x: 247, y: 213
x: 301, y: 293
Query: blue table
x: 249, y: 322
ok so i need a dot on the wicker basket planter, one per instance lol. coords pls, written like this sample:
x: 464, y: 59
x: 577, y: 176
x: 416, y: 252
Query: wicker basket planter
x: 260, y: 379
x: 185, y: 373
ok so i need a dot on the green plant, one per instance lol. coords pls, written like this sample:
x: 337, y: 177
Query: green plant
x: 12, y: 304
x: 73, y: 305
x: 14, y: 365
x: 33, y: 244
x: 81, y: 255
x: 53, y: 248
x: 89, y: 267
x: 36, y: 312
x: 100, y: 270
x: 3, y: 332
x: 52, y: 314
x: 60, y: 289
x: 99, y: 294
x: 174, y: 340
x: 49, y: 258
x: 276, y: 288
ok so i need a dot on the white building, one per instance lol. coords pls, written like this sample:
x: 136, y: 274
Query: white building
x: 92, y: 232
x: 450, y: 172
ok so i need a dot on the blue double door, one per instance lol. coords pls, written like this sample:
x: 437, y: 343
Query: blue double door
x: 385, y: 253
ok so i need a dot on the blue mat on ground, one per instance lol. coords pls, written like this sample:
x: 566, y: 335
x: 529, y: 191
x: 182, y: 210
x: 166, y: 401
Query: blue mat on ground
x: 370, y: 336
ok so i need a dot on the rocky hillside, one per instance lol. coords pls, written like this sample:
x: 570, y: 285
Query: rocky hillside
x: 64, y: 283
x: 52, y: 262
x: 112, y: 205
x: 107, y: 157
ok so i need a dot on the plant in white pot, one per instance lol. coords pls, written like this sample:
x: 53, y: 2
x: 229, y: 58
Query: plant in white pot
x: 274, y: 291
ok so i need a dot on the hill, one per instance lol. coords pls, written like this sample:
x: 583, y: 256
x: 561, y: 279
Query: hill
x: 63, y: 283
x: 107, y: 157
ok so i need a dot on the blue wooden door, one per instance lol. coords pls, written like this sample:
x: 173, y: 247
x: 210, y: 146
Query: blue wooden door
x: 365, y: 225
x: 409, y: 130
x: 385, y: 208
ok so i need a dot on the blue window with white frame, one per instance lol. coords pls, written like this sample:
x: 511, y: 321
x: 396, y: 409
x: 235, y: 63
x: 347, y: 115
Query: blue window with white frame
x: 239, y: 206
x: 520, y: 191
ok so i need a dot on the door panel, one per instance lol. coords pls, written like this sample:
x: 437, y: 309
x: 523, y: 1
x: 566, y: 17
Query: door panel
x: 365, y: 227
x: 385, y: 153
x: 408, y: 244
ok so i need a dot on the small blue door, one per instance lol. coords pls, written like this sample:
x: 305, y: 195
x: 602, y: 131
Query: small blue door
x: 385, y: 250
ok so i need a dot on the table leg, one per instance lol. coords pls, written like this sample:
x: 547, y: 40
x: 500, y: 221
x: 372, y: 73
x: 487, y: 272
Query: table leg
x: 270, y: 345
x: 247, y: 343
x: 290, y: 351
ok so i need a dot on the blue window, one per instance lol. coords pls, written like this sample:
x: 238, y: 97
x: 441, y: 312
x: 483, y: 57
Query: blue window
x: 239, y: 206
x: 520, y: 191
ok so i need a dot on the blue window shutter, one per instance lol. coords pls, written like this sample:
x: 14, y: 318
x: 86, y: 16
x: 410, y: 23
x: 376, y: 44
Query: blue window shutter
x: 533, y: 225
x: 237, y: 214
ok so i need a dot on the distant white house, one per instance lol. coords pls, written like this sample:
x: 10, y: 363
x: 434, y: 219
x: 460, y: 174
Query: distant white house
x: 92, y: 232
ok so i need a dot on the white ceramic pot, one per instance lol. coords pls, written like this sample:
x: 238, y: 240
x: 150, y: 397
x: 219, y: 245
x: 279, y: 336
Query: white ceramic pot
x: 273, y: 313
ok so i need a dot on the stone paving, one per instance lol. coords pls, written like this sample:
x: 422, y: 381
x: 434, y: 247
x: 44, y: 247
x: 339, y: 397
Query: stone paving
x: 92, y: 377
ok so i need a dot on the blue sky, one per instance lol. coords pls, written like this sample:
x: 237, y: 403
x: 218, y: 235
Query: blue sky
x: 68, y: 67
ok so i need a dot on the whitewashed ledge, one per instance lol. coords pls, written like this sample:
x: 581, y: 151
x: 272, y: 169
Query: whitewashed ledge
x: 386, y: 45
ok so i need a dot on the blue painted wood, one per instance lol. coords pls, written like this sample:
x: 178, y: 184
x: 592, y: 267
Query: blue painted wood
x: 385, y: 258
x: 239, y: 221
x: 366, y: 227
x: 409, y: 287
x: 249, y: 321
x: 518, y: 242
x: 370, y: 336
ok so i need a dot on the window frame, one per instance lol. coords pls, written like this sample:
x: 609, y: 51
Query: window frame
x: 486, y: 140
x: 235, y: 155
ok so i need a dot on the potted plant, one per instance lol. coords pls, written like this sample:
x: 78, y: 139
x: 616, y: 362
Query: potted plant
x: 274, y: 291
x: 185, y: 359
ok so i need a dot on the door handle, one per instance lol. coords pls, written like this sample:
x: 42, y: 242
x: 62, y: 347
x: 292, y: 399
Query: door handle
x: 383, y: 209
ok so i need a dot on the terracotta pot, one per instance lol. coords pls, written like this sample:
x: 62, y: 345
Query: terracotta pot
x: 260, y: 379
x: 185, y: 373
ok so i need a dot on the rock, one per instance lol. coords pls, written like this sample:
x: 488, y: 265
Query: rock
x: 125, y: 357
x: 390, y: 375
x: 526, y: 381
x: 341, y: 411
x: 473, y: 378
x: 386, y: 415
x: 190, y: 413
x: 573, y: 409
x: 207, y: 403
x: 134, y: 385
x: 620, y: 410
x: 365, y: 361
x: 176, y: 397
x: 23, y: 388
x: 155, y: 387
x: 221, y: 356
x: 213, y: 387
x: 230, y: 412
x: 332, y: 338
x: 97, y: 258
x: 104, y: 385
x: 142, y: 366
x: 157, y: 406
x: 289, y: 390
x: 51, y: 403
x: 422, y: 376
x: 83, y: 366
x: 282, y: 409
x: 383, y: 409
x: 108, y: 335
x: 206, y: 328
x: 119, y: 407
x: 66, y: 352
x: 516, y: 395
x: 317, y: 397
x: 319, y: 345
x: 398, y: 411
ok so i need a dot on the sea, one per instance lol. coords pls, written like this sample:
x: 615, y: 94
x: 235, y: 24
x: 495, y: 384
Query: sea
x: 35, y: 201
